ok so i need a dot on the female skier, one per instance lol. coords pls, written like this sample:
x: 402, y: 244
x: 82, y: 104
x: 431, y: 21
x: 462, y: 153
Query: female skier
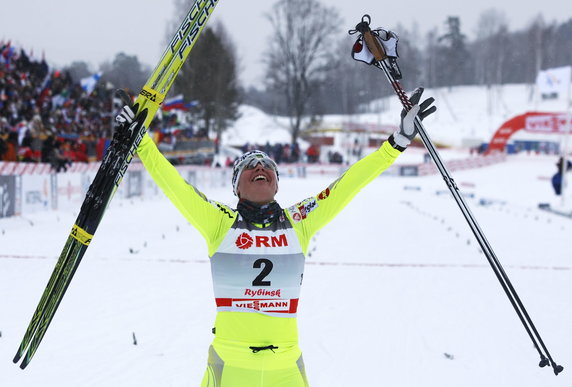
x: 257, y: 253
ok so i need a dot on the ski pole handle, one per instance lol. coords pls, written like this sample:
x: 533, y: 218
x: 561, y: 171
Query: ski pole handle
x: 374, y: 45
x: 401, y: 94
x: 371, y: 42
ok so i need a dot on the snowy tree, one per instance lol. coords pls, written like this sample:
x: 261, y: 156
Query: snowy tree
x: 300, y: 53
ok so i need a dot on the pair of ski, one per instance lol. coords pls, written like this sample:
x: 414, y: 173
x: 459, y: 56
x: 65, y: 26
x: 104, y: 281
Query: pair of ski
x: 382, y: 52
x: 114, y: 165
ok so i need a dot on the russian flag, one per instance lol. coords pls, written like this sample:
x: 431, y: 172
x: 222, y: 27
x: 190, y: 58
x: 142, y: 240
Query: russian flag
x: 177, y: 103
x: 174, y: 103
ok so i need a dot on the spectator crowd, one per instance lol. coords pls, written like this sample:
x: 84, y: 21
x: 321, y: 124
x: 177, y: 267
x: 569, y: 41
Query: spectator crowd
x: 47, y: 116
x: 281, y: 153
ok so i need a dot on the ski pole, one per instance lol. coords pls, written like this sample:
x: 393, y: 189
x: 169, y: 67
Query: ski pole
x: 384, y: 51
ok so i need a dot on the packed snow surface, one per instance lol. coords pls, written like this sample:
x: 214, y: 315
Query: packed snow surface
x: 396, y: 291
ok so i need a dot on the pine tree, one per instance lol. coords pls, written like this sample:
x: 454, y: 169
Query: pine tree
x: 209, y: 76
x: 454, y: 58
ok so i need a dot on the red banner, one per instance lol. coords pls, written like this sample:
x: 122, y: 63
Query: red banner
x: 536, y: 122
x: 554, y: 123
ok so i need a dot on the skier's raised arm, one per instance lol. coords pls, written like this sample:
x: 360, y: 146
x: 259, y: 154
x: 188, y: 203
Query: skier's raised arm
x: 207, y: 216
x: 315, y: 212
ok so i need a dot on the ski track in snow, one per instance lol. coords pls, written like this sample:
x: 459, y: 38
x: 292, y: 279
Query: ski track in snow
x: 395, y: 293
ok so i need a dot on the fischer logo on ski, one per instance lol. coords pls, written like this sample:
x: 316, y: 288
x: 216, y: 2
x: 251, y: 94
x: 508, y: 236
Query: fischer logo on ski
x: 81, y: 235
x: 132, y: 150
x: 152, y: 95
x: 195, y: 15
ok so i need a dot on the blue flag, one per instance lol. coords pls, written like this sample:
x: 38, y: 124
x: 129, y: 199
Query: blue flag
x: 88, y: 83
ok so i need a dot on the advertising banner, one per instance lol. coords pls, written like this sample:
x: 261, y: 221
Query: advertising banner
x: 36, y: 193
x: 8, y: 196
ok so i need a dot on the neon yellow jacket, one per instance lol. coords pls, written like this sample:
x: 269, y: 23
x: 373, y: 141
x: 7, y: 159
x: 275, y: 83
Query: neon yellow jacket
x: 214, y: 220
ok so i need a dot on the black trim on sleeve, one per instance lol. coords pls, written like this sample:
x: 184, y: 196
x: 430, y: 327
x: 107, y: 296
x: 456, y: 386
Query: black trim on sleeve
x: 391, y: 141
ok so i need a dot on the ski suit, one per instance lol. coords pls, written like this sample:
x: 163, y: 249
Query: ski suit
x: 258, y: 270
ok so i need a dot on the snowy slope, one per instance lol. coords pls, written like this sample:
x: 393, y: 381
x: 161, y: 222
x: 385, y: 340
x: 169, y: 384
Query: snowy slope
x: 463, y: 113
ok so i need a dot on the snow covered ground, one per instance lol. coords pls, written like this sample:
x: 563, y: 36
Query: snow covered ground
x: 396, y: 292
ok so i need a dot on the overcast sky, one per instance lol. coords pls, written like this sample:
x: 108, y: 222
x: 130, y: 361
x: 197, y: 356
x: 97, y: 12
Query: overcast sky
x: 95, y: 31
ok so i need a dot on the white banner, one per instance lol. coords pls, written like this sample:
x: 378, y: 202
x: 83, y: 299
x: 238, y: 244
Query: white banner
x: 36, y: 193
x: 69, y: 190
x: 547, y: 124
x: 554, y: 82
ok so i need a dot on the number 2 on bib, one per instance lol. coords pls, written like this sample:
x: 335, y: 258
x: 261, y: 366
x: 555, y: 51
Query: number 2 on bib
x: 266, y: 266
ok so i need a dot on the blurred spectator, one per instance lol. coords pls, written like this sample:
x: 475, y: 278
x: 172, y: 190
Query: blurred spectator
x: 25, y: 153
x: 11, y: 153
x: 277, y: 153
x: 286, y: 153
x: 313, y: 153
x: 167, y: 144
x: 3, y: 147
x: 357, y: 150
x: 80, y: 152
x: 101, y: 147
x: 557, y: 178
x: 295, y: 153
x: 335, y: 157
x: 57, y: 159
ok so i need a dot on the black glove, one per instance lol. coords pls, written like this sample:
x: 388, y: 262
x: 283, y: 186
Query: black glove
x: 126, y: 116
x: 128, y: 112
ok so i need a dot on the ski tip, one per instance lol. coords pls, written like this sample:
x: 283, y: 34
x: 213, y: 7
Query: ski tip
x: 17, y: 357
x: 24, y: 364
x: 124, y: 96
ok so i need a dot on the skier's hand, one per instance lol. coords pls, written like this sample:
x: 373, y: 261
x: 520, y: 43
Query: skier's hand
x: 407, y: 130
x: 126, y: 116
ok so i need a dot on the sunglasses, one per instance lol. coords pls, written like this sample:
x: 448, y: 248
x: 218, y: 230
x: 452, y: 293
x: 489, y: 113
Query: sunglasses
x: 252, y: 161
